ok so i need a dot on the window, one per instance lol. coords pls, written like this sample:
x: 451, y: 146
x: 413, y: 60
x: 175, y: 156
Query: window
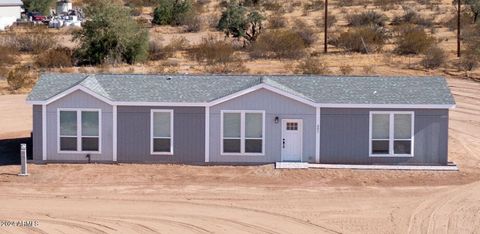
x: 161, y: 132
x: 292, y: 126
x: 79, y: 130
x: 243, y: 132
x: 391, y: 133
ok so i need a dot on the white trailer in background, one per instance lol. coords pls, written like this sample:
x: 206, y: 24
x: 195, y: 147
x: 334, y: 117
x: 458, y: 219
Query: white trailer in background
x: 10, y: 11
x: 63, y: 6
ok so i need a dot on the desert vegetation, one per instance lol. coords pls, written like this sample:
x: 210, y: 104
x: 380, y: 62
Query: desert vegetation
x: 365, y: 37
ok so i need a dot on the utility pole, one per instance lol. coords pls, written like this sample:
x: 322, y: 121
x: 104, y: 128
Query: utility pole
x: 459, y: 25
x: 326, y: 27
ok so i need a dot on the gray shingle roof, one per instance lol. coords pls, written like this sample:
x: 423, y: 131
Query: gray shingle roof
x: 206, y: 88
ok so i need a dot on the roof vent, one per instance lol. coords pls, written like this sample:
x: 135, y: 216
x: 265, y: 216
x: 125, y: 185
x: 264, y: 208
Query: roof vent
x: 169, y: 78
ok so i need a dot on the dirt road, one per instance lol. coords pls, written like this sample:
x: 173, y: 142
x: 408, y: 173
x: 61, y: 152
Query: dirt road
x: 193, y: 199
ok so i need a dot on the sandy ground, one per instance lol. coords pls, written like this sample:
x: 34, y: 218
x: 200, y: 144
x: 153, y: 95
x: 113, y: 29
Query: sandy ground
x: 249, y: 199
x: 15, y: 116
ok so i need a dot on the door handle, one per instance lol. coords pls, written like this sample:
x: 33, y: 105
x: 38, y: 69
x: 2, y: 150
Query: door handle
x: 283, y: 143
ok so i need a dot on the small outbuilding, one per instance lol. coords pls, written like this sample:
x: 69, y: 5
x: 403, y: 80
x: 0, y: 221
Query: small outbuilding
x: 10, y: 11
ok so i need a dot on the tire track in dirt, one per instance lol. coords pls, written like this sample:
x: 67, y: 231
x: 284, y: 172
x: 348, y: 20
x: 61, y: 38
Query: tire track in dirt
x: 282, y: 216
x: 445, y: 212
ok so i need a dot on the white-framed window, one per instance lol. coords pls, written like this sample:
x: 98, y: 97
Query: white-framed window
x: 161, y: 132
x: 243, y: 132
x: 391, y: 133
x: 79, y: 130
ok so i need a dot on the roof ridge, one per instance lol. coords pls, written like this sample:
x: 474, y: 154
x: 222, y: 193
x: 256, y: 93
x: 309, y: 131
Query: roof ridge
x: 99, y: 89
x: 268, y: 81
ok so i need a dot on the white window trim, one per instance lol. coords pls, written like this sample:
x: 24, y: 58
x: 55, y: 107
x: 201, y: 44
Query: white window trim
x: 242, y: 133
x: 391, y: 132
x: 79, y: 131
x: 152, y: 111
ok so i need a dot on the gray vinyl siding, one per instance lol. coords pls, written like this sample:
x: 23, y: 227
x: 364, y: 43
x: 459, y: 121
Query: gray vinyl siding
x: 274, y: 105
x: 133, y: 134
x: 344, y: 137
x: 79, y: 99
x: 37, y: 133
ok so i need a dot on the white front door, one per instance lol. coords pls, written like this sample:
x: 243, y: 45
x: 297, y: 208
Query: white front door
x: 292, y: 131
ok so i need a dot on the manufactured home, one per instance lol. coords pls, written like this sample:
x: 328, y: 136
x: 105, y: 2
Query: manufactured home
x: 240, y: 119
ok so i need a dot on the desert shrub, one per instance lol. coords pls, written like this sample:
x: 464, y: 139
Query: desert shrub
x: 33, y: 40
x: 136, y: 11
x: 272, y: 5
x: 331, y: 21
x: 434, y: 57
x: 410, y: 16
x: 312, y: 66
x: 171, y: 12
x: 159, y: 52
x: 469, y: 61
x: 21, y: 76
x: 473, y: 6
x: 251, y: 2
x: 277, y: 21
x: 368, y: 18
x: 466, y: 20
x: 236, y: 67
x: 305, y: 32
x: 143, y: 22
x: 178, y: 43
x: 368, y: 70
x: 386, y: 4
x: 346, y: 69
x: 347, y: 3
x: 240, y: 22
x: 278, y: 43
x: 193, y: 23
x: 212, y: 51
x: 362, y: 39
x: 7, y: 55
x: 58, y: 57
x: 140, y: 3
x: 471, y: 54
x: 412, y: 40
x: 313, y: 5
x: 110, y: 35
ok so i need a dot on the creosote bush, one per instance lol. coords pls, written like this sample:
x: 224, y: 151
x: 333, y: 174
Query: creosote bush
x: 331, y: 21
x: 213, y: 51
x: 410, y: 16
x: 346, y: 69
x: 57, y: 57
x: 412, y: 40
x: 277, y: 21
x: 368, y: 18
x: 434, y: 57
x: 307, y: 34
x: 279, y: 43
x: 362, y: 39
x: 21, y: 76
x: 311, y: 66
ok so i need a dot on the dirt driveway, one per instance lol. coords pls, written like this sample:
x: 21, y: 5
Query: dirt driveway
x: 222, y: 199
